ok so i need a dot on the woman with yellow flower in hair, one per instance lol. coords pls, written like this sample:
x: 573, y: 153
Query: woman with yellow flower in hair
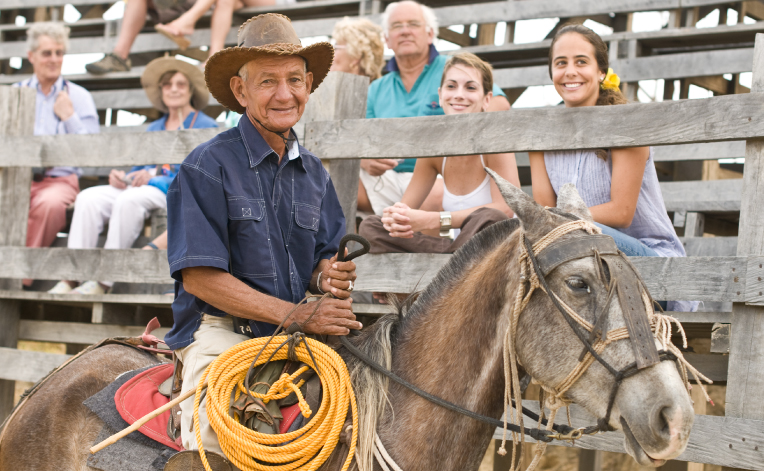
x: 620, y: 186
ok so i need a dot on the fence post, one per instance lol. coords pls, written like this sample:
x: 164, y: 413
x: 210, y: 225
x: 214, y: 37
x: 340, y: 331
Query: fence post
x: 745, y: 381
x: 17, y: 108
x: 341, y: 96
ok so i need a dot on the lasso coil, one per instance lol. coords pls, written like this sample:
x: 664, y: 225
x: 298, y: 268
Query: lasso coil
x: 307, y: 448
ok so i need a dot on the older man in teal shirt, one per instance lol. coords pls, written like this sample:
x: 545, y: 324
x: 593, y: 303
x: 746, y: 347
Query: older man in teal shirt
x: 409, y: 89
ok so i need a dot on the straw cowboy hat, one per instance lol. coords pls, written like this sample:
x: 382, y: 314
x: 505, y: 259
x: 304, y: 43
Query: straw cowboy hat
x: 270, y: 34
x: 158, y: 67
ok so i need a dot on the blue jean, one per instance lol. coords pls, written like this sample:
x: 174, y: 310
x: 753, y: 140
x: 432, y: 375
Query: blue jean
x: 628, y: 244
x: 631, y: 247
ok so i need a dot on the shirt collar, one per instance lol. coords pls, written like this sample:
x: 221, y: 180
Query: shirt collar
x: 257, y: 148
x: 392, y: 64
x: 34, y: 82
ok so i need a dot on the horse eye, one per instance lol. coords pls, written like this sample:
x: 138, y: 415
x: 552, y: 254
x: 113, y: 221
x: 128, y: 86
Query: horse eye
x: 577, y: 284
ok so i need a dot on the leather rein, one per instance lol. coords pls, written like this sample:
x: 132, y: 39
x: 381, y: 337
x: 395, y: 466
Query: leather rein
x: 542, y: 263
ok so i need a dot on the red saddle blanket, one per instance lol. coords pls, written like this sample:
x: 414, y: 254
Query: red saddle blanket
x: 140, y: 396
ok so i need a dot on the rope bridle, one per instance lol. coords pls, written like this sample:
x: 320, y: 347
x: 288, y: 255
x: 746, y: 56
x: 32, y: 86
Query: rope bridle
x: 643, y: 327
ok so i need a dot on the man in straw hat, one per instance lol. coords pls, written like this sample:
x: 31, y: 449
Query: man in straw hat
x: 254, y: 220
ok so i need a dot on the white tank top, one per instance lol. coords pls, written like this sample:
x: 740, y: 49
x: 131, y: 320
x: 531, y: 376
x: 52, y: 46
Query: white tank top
x: 478, y: 197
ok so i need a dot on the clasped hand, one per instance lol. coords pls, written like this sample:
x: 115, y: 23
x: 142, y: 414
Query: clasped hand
x: 402, y: 221
x: 118, y: 178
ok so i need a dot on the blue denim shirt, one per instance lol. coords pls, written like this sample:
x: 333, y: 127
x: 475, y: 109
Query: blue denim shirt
x: 234, y: 207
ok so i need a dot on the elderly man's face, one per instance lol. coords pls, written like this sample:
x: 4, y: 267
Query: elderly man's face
x: 47, y: 59
x: 407, y: 33
x: 276, y: 91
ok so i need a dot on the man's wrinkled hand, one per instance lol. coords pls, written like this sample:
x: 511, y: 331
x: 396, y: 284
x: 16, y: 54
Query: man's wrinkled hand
x: 376, y: 167
x: 338, y: 278
x: 333, y: 317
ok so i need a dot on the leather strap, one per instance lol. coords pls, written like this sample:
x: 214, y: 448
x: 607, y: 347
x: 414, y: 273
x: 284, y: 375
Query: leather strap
x: 573, y: 249
x: 635, y: 315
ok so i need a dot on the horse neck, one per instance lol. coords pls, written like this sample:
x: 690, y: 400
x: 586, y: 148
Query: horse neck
x: 452, y: 349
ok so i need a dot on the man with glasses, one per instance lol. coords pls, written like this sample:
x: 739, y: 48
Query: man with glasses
x: 62, y: 107
x: 409, y: 89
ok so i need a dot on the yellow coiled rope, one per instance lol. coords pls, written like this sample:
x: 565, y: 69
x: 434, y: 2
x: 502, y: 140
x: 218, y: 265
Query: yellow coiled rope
x: 304, y: 449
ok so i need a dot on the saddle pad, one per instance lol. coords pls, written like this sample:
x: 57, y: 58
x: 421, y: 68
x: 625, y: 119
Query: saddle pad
x: 290, y: 414
x: 140, y: 396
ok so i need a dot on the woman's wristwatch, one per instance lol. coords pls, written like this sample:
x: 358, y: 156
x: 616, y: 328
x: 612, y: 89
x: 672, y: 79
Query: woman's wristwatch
x: 445, y: 223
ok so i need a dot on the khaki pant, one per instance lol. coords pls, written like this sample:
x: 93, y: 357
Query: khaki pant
x: 371, y: 228
x: 214, y: 336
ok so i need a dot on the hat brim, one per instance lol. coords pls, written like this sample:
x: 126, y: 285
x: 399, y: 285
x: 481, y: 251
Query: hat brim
x: 158, y: 67
x: 226, y: 63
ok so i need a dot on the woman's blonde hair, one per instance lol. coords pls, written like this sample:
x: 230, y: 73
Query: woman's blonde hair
x: 363, y: 40
x: 469, y: 59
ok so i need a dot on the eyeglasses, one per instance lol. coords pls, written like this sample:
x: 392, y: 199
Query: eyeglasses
x: 47, y: 53
x: 170, y: 85
x: 398, y: 26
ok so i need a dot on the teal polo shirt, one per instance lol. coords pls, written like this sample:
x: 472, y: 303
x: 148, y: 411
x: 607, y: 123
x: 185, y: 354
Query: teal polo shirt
x: 388, y: 97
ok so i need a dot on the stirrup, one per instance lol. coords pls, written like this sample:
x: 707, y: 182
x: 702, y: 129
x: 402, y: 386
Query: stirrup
x: 189, y: 460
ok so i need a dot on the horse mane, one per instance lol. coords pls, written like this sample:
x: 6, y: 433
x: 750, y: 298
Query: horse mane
x: 379, y: 339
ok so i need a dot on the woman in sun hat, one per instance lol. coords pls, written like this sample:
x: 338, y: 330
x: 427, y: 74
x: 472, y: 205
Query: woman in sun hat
x: 177, y: 89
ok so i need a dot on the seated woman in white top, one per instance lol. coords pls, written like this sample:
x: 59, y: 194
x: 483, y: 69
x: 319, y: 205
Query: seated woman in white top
x: 620, y: 186
x: 471, y: 200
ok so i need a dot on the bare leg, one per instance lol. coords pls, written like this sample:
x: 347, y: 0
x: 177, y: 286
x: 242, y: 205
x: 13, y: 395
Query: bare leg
x: 220, y: 24
x: 258, y: 3
x: 184, y: 24
x: 132, y: 22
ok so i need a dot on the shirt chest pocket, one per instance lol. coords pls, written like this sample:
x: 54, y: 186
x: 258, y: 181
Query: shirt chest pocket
x: 249, y: 238
x: 302, y: 240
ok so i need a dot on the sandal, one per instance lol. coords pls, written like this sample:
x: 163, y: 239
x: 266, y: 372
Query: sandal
x: 178, y: 39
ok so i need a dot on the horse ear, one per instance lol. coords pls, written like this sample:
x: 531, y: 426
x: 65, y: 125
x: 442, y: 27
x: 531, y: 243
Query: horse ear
x: 530, y: 213
x: 571, y: 202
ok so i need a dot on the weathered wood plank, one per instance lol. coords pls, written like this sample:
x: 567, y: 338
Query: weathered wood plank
x: 708, y: 196
x: 727, y: 118
x: 668, y: 66
x: 17, y: 108
x: 691, y: 278
x: 87, y: 299
x: 20, y: 365
x: 129, y: 266
x: 745, y: 392
x: 341, y: 96
x: 723, y: 441
x: 670, y: 122
x: 73, y: 332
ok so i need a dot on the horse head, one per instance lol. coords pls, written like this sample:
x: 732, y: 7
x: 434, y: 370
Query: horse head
x: 652, y: 407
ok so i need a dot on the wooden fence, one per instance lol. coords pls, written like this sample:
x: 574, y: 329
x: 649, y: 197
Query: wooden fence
x: 685, y: 131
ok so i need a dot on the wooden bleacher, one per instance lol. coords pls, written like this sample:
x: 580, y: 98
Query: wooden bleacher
x: 702, y: 134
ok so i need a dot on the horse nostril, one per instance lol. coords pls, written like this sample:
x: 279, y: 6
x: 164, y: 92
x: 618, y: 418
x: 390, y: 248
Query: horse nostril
x: 662, y: 421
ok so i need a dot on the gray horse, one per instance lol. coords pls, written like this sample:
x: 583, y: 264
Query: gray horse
x: 449, y: 343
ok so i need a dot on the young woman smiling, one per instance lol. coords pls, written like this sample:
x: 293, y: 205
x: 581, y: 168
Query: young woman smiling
x: 471, y: 201
x: 620, y: 186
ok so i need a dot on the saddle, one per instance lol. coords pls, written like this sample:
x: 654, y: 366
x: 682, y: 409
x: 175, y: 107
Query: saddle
x: 136, y: 394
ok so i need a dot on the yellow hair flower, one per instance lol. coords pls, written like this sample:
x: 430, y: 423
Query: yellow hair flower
x: 612, y: 81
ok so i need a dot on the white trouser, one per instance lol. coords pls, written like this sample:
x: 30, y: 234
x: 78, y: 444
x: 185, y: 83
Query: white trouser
x: 214, y: 336
x: 386, y: 189
x: 126, y: 211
